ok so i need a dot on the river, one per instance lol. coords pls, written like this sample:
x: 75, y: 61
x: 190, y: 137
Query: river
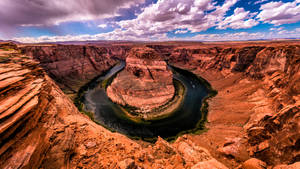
x: 187, y: 117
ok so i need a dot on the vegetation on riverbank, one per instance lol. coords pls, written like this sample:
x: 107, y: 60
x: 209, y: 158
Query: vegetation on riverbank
x: 180, y: 92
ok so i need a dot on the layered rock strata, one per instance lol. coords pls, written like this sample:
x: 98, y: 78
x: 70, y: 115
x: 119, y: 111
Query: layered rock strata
x: 254, y: 114
x: 22, y: 103
x: 146, y: 83
x: 41, y: 128
x: 74, y: 66
x: 258, y: 101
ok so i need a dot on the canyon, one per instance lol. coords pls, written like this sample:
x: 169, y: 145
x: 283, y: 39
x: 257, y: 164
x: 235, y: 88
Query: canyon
x: 253, y: 121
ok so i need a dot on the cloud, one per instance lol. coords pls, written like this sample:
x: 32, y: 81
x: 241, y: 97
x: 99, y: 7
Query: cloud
x: 103, y: 36
x: 181, y: 31
x: 288, y: 33
x: 169, y: 15
x: 15, y: 13
x: 279, y: 13
x: 230, y: 36
x: 276, y: 29
x: 239, y: 36
x: 152, y: 21
x: 260, y: 2
x: 102, y: 26
x: 240, y: 19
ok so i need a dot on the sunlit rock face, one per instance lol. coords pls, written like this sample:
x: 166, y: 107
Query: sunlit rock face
x: 145, y: 83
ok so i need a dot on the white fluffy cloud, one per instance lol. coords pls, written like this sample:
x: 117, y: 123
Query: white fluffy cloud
x: 279, y: 13
x: 240, y: 19
x: 276, y: 29
x: 167, y: 15
x: 260, y: 1
x: 181, y: 31
x: 102, y: 26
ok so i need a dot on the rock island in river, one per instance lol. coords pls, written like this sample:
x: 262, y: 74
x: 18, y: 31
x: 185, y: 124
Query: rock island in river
x: 145, y: 85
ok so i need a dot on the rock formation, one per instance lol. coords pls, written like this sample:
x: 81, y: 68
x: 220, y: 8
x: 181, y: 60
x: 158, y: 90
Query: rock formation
x: 41, y: 128
x: 254, y: 115
x: 73, y: 66
x: 146, y: 83
x: 261, y: 84
x: 8, y: 46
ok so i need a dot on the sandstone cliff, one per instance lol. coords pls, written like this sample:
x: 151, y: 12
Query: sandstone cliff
x: 255, y: 114
x: 73, y: 66
x: 41, y: 128
x: 268, y: 79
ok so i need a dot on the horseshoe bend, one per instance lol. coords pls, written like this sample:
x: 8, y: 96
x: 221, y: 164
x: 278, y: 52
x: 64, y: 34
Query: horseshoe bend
x: 150, y: 105
x: 146, y: 83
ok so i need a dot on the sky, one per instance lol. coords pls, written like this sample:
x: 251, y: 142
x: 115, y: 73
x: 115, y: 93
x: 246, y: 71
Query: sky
x: 32, y: 21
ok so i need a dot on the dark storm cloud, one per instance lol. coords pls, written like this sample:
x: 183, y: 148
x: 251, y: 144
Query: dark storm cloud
x: 16, y: 13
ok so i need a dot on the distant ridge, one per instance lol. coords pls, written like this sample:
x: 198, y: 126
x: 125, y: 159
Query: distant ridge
x: 15, y: 42
x: 128, y: 42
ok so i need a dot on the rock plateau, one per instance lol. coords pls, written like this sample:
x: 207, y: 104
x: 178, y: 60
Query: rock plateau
x: 145, y: 84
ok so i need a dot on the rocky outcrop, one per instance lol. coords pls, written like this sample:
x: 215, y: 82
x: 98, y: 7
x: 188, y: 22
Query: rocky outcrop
x: 271, y: 127
x: 73, y: 66
x: 6, y: 46
x: 275, y: 139
x: 146, y: 83
x: 22, y: 94
x: 291, y: 166
x: 254, y: 163
x: 279, y: 69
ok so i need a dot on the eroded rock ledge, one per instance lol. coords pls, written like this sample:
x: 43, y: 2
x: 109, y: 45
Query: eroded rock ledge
x: 146, y: 82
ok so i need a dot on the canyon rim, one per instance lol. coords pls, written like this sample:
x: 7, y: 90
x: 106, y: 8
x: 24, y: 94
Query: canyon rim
x: 150, y: 84
x: 254, y: 116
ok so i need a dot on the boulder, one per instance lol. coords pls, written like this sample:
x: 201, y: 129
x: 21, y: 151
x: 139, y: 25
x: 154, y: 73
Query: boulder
x: 254, y: 163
